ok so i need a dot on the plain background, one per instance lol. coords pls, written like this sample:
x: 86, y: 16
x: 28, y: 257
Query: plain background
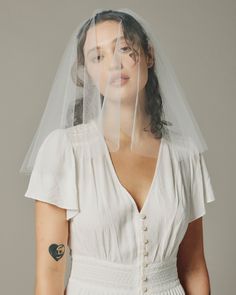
x: 200, y: 41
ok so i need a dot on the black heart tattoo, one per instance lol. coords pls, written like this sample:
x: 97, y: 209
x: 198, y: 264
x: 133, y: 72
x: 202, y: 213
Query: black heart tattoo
x: 56, y: 251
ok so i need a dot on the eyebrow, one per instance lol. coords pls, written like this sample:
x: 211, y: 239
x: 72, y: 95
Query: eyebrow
x: 98, y: 47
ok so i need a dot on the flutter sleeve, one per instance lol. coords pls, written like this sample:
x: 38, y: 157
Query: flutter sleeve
x: 53, y: 178
x: 201, y: 191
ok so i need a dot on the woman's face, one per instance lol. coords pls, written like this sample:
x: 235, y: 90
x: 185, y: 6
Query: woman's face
x: 102, y: 64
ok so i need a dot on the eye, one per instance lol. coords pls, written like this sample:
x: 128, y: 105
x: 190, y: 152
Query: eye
x: 125, y: 48
x: 96, y: 58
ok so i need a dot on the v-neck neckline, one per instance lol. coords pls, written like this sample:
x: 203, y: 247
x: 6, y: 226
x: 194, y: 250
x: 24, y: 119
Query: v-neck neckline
x: 121, y: 186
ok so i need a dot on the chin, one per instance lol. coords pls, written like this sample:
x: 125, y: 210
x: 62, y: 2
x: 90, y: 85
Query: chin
x: 126, y: 94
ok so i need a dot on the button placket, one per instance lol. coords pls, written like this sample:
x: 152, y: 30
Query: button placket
x: 144, y: 246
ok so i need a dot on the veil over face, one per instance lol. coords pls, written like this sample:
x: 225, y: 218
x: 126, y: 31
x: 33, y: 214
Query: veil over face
x: 119, y: 71
x: 115, y: 75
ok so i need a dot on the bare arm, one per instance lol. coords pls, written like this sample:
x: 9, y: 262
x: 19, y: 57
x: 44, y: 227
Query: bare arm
x: 51, y: 240
x: 192, y: 269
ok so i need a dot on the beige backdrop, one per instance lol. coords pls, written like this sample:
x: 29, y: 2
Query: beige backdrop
x: 200, y: 40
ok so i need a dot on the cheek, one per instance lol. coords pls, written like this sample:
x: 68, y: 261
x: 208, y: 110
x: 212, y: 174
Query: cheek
x: 143, y: 78
x: 139, y: 75
x: 97, y: 76
x: 137, y: 69
x: 143, y: 73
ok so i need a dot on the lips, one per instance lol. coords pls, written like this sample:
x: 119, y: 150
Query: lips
x: 118, y: 76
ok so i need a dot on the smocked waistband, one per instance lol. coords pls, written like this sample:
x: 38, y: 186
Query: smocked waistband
x: 157, y: 276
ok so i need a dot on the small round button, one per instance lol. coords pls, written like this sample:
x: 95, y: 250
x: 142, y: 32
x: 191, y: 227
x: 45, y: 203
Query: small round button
x: 145, y: 278
x: 145, y: 253
x: 143, y: 216
x: 145, y: 264
x: 146, y: 241
x: 145, y: 289
x: 145, y: 228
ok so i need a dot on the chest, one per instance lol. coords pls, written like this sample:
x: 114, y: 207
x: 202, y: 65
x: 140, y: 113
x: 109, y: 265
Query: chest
x: 135, y: 174
x: 114, y: 188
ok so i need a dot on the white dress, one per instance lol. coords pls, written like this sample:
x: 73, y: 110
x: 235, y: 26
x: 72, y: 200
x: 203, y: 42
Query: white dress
x: 117, y: 249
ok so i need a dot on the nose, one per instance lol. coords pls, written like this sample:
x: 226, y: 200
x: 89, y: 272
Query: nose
x: 115, y: 61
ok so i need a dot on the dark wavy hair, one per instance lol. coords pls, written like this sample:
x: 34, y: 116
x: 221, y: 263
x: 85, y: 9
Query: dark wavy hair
x: 134, y: 34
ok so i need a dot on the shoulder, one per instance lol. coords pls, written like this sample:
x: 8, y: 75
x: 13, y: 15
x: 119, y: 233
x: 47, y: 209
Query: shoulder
x: 56, y: 140
x: 82, y: 133
x: 69, y: 135
x: 182, y: 148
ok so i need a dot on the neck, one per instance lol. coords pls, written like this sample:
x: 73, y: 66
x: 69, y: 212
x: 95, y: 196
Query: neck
x: 127, y: 119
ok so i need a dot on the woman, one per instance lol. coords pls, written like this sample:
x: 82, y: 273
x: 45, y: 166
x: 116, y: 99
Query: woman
x: 122, y: 187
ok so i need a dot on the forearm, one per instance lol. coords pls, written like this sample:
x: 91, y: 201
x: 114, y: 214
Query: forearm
x: 196, y: 282
x: 51, y: 240
x: 50, y: 284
